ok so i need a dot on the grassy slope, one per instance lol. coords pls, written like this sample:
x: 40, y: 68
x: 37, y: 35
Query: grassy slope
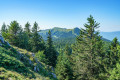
x: 15, y: 65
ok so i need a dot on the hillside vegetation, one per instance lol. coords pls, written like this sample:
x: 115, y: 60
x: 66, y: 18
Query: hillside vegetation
x: 58, y: 53
x: 63, y: 36
x: 19, y: 64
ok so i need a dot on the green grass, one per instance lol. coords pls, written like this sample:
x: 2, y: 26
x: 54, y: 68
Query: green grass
x: 14, y: 67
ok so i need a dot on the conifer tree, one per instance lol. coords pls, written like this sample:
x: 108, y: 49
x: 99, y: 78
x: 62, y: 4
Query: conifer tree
x: 87, y: 52
x: 111, y: 61
x: 63, y: 68
x: 13, y: 33
x: 113, y: 53
x: 36, y: 41
x: 3, y: 28
x: 14, y: 28
x: 50, y: 51
x: 23, y: 41
x: 28, y: 35
x: 35, y: 27
x: 27, y: 27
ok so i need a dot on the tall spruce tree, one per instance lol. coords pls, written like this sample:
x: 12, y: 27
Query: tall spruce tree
x: 35, y: 27
x: 23, y: 40
x: 113, y: 53
x: 111, y: 61
x: 28, y: 35
x: 36, y: 41
x: 87, y: 52
x: 13, y: 32
x: 27, y: 27
x: 50, y: 51
x: 112, y: 56
x: 3, y: 28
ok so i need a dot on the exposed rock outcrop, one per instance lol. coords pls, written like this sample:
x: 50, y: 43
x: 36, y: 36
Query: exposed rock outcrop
x: 2, y: 41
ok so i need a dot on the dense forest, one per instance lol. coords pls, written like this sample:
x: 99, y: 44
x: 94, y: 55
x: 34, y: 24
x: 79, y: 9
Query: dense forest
x: 86, y: 56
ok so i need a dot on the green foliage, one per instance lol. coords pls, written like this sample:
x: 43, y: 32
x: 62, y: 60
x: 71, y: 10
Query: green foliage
x: 19, y: 64
x: 26, y: 39
x: 27, y: 28
x: 87, y: 52
x: 110, y: 60
x: 41, y: 56
x: 113, y: 53
x: 6, y: 75
x: 50, y: 52
x: 14, y: 28
x: 35, y: 27
x: 23, y: 41
x: 3, y: 28
x: 36, y: 41
x: 91, y: 57
x: 12, y: 34
x: 115, y: 73
x: 9, y: 61
x: 63, y: 68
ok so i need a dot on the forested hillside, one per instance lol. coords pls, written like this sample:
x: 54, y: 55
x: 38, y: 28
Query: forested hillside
x: 19, y: 64
x: 63, y: 33
x: 58, y: 53
x: 63, y: 36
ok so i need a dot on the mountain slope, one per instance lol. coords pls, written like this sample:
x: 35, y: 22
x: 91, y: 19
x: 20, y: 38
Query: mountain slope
x: 58, y: 33
x: 64, y: 34
x: 19, y: 64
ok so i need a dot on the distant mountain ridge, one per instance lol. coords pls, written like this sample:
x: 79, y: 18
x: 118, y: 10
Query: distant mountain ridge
x: 59, y: 33
x: 111, y: 35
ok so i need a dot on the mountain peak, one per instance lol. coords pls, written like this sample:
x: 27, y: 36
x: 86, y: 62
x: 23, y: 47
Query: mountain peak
x: 76, y: 28
x: 56, y: 28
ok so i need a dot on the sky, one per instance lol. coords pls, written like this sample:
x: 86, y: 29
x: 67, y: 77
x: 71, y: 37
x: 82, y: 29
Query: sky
x: 61, y: 13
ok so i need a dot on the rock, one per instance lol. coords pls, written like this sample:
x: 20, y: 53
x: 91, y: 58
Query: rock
x: 40, y: 64
x: 54, y: 75
x: 52, y: 69
x: 2, y: 40
x: 38, y: 69
x: 33, y: 54
x: 8, y: 44
x: 36, y: 60
x: 10, y: 78
x: 0, y: 44
x: 35, y: 69
x: 30, y: 62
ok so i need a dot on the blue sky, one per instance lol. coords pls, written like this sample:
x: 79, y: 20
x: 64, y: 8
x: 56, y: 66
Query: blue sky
x: 62, y: 13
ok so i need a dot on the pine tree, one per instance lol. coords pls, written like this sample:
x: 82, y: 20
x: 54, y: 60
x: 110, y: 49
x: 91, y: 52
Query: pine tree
x: 63, y: 68
x: 37, y: 42
x: 27, y: 27
x: 113, y: 52
x: 13, y: 32
x: 35, y: 27
x: 28, y: 35
x: 23, y: 41
x: 14, y: 28
x: 3, y: 28
x: 87, y: 52
x: 111, y: 61
x: 50, y: 51
x: 4, y: 31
